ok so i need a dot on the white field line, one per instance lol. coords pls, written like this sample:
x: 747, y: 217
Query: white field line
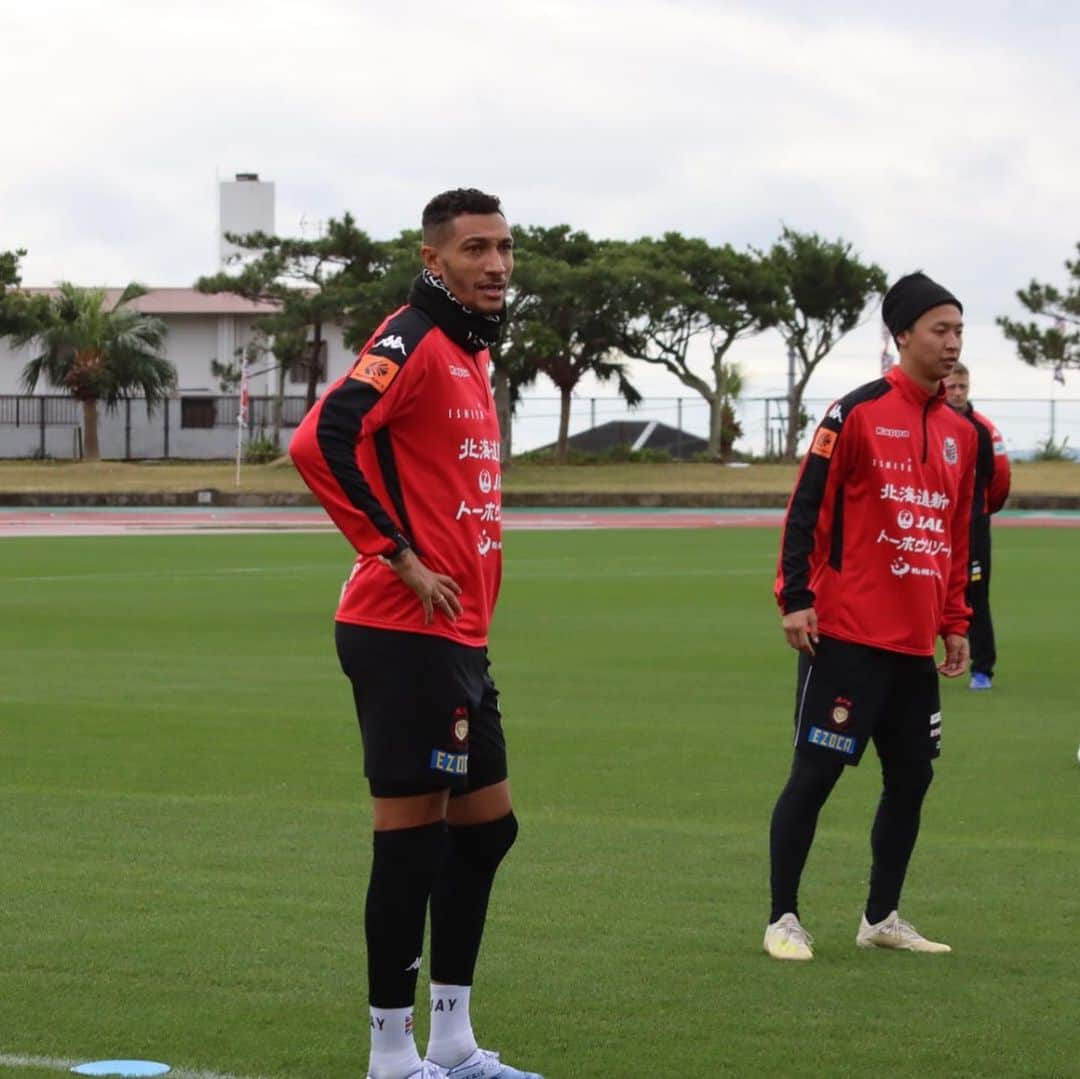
x: 56, y: 1064
x: 164, y: 575
x: 292, y: 571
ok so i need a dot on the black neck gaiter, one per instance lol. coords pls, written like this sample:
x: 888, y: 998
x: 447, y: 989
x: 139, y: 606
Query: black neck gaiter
x: 469, y: 329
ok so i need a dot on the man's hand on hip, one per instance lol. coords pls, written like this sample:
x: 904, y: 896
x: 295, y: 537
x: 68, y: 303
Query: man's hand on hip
x: 436, y: 591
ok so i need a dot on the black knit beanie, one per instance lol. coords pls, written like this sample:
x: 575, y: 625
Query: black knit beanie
x: 913, y: 295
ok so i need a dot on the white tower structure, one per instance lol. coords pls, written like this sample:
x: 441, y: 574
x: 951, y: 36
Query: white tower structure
x: 246, y: 204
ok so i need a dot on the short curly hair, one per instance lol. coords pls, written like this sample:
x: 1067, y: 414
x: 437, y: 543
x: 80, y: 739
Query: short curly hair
x: 450, y: 204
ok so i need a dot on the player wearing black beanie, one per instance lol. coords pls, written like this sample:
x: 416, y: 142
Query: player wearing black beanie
x: 911, y: 297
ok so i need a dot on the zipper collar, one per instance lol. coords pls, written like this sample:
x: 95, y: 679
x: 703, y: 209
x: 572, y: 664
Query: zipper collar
x: 908, y: 388
x: 911, y: 391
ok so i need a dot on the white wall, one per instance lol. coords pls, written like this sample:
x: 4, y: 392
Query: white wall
x: 192, y: 342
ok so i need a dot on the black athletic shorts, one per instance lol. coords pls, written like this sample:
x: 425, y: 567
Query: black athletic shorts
x: 428, y: 710
x: 848, y: 694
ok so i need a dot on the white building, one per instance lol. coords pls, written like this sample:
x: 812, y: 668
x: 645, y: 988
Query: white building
x: 200, y: 420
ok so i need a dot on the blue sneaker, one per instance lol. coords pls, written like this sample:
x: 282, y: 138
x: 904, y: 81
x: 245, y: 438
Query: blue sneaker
x: 483, y: 1064
x: 980, y: 681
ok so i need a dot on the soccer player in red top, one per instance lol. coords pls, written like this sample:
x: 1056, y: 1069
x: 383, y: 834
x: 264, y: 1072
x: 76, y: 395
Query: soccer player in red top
x: 992, y: 480
x: 872, y: 570
x: 403, y: 453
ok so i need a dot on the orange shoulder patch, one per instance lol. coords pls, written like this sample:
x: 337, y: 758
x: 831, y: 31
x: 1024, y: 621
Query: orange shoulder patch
x: 376, y: 371
x: 824, y: 442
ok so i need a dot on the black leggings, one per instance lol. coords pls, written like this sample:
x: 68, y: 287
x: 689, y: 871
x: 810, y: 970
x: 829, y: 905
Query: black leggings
x: 892, y: 839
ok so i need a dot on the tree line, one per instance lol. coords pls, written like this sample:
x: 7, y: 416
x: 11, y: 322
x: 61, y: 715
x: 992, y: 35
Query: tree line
x: 577, y: 306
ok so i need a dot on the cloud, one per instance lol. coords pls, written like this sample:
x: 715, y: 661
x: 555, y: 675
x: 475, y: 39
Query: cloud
x: 931, y: 136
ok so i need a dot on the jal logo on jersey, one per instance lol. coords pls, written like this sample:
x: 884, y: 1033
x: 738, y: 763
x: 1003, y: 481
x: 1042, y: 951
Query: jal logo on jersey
x: 376, y: 371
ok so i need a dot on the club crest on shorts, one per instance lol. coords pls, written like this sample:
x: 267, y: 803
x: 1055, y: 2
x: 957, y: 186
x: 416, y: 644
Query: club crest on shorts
x: 459, y: 728
x: 841, y: 711
x: 948, y: 448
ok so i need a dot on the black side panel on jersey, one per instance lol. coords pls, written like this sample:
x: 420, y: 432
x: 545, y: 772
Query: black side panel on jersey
x: 384, y: 450
x: 344, y: 409
x: 808, y: 496
x: 984, y: 466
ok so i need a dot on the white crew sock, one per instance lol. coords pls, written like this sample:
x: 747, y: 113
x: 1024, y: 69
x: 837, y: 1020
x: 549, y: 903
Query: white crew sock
x: 451, y: 1040
x: 393, y: 1049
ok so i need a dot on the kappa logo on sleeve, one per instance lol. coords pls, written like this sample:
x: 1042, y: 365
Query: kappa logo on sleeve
x: 376, y: 371
x: 824, y: 443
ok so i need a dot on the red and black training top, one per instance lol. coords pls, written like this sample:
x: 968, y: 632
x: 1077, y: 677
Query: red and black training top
x: 404, y: 451
x: 993, y: 474
x: 876, y: 533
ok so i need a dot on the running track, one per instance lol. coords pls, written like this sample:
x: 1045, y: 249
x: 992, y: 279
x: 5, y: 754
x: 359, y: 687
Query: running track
x: 123, y: 521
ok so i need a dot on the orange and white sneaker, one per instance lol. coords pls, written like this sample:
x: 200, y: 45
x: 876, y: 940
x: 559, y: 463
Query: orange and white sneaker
x: 786, y: 939
x: 894, y: 932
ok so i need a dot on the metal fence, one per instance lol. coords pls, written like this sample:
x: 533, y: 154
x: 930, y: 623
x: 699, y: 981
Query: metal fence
x: 201, y: 426
x: 1026, y: 423
x: 195, y: 426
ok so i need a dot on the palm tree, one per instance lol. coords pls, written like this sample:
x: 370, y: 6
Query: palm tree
x: 99, y: 353
x: 724, y: 428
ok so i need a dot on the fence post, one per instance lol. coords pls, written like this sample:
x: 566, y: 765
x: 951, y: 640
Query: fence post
x: 592, y: 411
x: 165, y: 410
x: 768, y: 431
x: 678, y: 425
x: 127, y: 428
x: 1053, y: 421
x: 41, y: 422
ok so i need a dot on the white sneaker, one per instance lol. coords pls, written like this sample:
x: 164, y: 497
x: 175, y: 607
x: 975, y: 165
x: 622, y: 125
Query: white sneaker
x: 786, y: 939
x: 428, y: 1070
x: 483, y: 1064
x: 894, y: 932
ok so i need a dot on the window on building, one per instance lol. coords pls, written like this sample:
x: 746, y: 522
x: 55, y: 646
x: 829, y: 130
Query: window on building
x: 298, y: 373
x: 198, y: 411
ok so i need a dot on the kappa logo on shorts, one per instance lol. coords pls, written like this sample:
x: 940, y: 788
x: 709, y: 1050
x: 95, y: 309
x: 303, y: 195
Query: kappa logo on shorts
x: 831, y: 740
x: 841, y: 710
x: 459, y: 728
x: 455, y: 764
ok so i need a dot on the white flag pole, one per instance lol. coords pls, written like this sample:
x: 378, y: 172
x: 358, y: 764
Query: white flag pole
x: 241, y: 414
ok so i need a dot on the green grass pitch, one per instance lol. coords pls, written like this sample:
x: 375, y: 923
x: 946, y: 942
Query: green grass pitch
x: 184, y: 834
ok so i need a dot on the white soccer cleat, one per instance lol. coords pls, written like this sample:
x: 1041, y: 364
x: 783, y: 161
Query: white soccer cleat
x: 428, y: 1070
x: 893, y: 932
x: 786, y: 939
x: 483, y: 1064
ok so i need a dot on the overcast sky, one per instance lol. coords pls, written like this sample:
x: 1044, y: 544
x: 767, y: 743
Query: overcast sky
x: 933, y: 135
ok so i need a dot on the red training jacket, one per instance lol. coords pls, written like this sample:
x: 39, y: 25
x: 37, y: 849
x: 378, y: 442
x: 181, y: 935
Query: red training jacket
x: 876, y: 533
x: 993, y: 474
x: 404, y: 451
